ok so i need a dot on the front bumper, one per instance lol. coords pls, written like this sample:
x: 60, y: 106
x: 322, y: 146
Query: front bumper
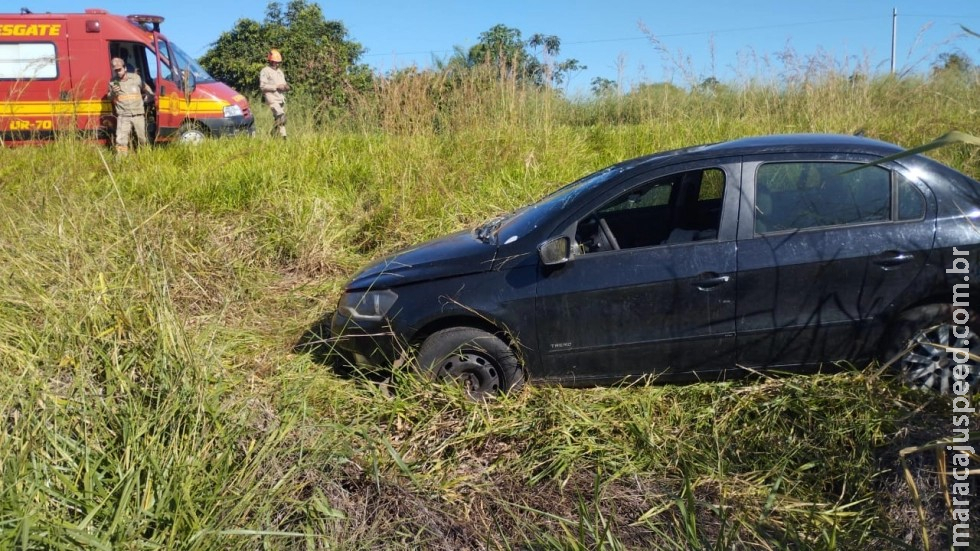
x: 230, y: 126
x: 364, y: 344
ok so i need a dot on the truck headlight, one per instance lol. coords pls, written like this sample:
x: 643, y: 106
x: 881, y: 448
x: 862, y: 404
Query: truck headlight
x: 233, y: 111
x: 367, y: 305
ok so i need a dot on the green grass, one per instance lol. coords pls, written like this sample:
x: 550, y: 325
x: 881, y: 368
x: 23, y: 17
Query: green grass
x: 150, y: 309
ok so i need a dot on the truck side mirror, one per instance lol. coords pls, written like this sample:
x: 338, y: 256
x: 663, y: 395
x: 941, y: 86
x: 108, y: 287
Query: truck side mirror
x: 189, y: 82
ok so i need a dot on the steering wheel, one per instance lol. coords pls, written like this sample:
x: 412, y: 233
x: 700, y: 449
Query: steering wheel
x: 608, y: 235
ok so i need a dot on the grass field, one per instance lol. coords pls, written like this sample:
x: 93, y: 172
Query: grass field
x: 155, y: 395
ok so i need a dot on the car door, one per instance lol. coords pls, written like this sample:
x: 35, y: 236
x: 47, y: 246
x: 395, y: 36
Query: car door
x: 661, y: 300
x: 823, y: 253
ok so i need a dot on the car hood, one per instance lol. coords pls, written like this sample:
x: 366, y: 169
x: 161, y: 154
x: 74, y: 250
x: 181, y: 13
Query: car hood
x: 456, y: 254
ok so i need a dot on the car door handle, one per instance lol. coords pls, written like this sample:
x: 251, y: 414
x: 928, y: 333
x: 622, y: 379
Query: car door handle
x: 709, y: 280
x: 892, y: 259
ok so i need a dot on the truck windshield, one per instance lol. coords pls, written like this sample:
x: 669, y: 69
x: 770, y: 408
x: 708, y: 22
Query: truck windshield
x: 185, y: 61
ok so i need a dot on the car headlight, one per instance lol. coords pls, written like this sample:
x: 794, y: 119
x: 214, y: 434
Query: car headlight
x: 367, y: 305
x: 233, y: 111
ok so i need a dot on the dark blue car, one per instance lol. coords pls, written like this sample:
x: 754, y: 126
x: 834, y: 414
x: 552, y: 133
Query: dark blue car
x: 766, y: 253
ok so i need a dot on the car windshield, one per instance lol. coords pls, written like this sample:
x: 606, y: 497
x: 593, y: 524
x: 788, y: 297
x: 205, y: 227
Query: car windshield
x: 514, y: 225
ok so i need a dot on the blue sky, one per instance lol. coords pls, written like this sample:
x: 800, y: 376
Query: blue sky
x: 729, y: 40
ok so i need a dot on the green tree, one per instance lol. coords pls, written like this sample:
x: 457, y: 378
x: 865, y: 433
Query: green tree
x: 318, y: 57
x: 710, y: 83
x: 604, y: 87
x: 532, y: 61
x: 952, y: 63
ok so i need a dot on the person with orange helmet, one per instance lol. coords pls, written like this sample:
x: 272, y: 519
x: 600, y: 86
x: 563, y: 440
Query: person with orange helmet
x: 272, y: 83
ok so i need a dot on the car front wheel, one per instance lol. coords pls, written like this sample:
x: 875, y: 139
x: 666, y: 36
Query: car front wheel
x: 480, y: 361
x: 932, y: 348
x: 191, y: 133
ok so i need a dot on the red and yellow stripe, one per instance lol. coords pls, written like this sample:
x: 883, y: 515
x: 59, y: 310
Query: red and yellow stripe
x: 54, y: 108
x: 196, y: 107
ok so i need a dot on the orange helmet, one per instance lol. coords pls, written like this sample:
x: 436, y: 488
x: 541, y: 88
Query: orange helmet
x: 274, y: 55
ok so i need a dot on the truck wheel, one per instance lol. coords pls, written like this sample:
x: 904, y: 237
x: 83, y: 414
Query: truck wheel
x: 923, y: 345
x: 191, y: 133
x: 483, y: 363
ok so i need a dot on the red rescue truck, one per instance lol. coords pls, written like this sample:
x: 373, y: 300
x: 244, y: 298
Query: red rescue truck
x: 55, y: 73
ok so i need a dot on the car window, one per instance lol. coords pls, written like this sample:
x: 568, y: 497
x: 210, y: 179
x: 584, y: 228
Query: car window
x: 712, y: 185
x: 793, y: 196
x: 657, y: 195
x: 676, y: 208
x: 911, y: 202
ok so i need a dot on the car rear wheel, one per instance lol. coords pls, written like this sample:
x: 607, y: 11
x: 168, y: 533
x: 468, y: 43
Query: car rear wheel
x: 480, y: 361
x: 927, y: 344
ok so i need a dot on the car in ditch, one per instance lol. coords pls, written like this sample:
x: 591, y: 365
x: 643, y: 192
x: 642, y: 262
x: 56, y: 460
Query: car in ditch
x: 776, y: 253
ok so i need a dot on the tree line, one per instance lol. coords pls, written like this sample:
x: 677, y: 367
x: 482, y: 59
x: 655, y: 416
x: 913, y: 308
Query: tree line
x: 323, y: 61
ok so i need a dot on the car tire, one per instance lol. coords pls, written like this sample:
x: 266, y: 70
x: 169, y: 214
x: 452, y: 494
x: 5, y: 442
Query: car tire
x: 190, y: 133
x: 919, y: 348
x: 482, y: 362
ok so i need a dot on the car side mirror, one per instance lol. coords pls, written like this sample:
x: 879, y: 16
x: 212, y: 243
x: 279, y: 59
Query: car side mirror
x: 555, y: 251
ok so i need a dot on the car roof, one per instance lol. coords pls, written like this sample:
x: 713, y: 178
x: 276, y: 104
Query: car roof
x: 806, y: 142
x: 774, y: 143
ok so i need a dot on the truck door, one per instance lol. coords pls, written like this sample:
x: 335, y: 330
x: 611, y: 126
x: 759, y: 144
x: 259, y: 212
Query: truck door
x: 172, y: 91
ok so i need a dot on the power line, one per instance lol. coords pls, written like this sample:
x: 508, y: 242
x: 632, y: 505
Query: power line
x: 699, y: 33
x: 671, y: 35
x: 937, y: 16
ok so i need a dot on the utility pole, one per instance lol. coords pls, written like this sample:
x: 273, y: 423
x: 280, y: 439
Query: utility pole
x: 894, y: 35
